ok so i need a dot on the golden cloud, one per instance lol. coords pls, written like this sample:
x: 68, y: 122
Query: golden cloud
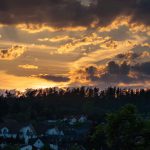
x: 56, y: 39
x: 74, y: 29
x: 126, y: 21
x: 146, y: 44
x: 11, y: 53
x: 36, y: 28
x: 136, y: 27
x: 80, y: 75
x: 27, y: 66
x: 119, y: 21
x: 92, y: 39
x: 145, y: 54
x: 145, y: 84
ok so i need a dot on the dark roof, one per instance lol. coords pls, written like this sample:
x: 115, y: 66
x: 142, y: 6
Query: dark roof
x: 13, y: 125
x: 33, y: 140
x: 45, y: 140
x: 42, y: 127
x: 70, y: 132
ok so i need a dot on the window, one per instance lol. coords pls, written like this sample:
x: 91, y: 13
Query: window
x: 4, y: 131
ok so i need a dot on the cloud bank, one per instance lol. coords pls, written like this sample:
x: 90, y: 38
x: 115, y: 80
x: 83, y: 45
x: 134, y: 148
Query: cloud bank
x: 72, y: 13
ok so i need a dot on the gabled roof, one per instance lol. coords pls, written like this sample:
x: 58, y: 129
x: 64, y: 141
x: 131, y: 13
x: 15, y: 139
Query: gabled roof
x: 45, y: 140
x: 13, y: 126
x: 42, y: 127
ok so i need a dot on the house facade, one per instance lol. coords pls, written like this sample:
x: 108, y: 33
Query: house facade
x: 46, y: 133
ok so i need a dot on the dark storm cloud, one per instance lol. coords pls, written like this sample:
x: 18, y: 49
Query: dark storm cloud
x: 113, y: 72
x: 54, y: 78
x: 91, y: 73
x: 116, y: 73
x: 142, y: 13
x: 114, y: 68
x: 91, y: 70
x: 59, y: 13
x: 64, y: 13
x: 143, y: 68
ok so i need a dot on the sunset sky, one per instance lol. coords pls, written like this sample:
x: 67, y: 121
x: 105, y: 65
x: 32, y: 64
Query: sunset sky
x: 47, y: 43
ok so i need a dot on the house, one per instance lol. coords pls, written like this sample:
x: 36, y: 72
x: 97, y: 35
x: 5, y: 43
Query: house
x: 27, y: 132
x: 53, y: 147
x: 70, y: 135
x: 9, y: 129
x: 2, y: 145
x: 5, y: 132
x: 54, y: 132
x: 37, y: 143
x: 82, y: 119
x: 56, y: 136
x: 47, y: 129
x: 41, y: 128
x: 73, y: 121
x: 26, y: 147
x: 12, y: 130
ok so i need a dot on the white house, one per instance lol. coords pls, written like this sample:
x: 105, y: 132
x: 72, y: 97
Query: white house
x: 26, y: 147
x: 53, y: 147
x: 82, y: 119
x: 54, y: 131
x: 38, y: 144
x: 73, y: 121
x: 8, y: 131
x: 4, y: 132
x: 26, y: 133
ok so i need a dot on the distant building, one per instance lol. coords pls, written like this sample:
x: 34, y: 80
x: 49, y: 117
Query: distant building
x: 53, y: 147
x: 82, y: 119
x: 25, y: 147
x: 55, y: 134
x: 73, y: 121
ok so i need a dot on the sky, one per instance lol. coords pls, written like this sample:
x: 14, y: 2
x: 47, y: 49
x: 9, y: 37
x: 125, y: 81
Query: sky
x: 71, y: 43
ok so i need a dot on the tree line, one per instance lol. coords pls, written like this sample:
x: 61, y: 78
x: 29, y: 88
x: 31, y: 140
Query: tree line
x: 57, y: 103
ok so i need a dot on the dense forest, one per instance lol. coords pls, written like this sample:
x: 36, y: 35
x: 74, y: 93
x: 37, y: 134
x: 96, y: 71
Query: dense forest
x: 52, y: 103
x: 124, y: 129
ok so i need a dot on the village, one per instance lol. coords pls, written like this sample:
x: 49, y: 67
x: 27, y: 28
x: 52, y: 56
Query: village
x: 54, y: 134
